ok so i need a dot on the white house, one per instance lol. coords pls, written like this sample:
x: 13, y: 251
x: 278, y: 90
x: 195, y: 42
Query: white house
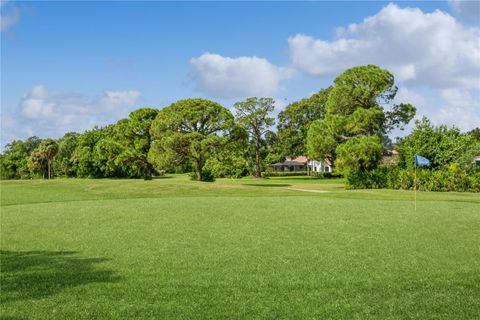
x: 319, y: 166
x: 476, y: 161
x: 300, y: 164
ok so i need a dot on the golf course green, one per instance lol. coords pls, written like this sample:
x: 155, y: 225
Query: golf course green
x: 278, y: 248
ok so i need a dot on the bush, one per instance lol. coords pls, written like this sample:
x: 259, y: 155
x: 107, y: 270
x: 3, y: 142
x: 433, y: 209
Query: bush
x: 326, y: 175
x: 229, y: 167
x: 207, y: 176
x: 452, y: 178
x: 374, y: 179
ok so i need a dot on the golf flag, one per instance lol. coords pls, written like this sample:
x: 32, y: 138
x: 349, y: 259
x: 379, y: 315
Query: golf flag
x: 421, y: 161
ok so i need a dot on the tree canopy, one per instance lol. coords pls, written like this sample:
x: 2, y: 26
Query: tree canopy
x: 189, y: 131
x: 359, y: 104
x: 440, y: 144
x: 41, y: 158
x: 254, y: 115
x: 294, y: 122
x: 135, y: 140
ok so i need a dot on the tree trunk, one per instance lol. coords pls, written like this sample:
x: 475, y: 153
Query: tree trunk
x: 146, y: 171
x: 49, y: 170
x: 257, y: 157
x: 198, y: 170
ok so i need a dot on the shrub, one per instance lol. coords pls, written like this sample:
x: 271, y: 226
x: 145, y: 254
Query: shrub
x: 326, y: 175
x: 207, y: 176
x: 228, y: 167
x: 452, y: 178
x: 374, y: 179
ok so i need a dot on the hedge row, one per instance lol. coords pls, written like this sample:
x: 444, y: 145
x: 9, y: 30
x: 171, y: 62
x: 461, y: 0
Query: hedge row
x: 392, y: 177
x: 267, y: 174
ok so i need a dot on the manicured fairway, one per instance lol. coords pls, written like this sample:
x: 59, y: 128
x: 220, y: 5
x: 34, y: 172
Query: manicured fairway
x: 235, y: 249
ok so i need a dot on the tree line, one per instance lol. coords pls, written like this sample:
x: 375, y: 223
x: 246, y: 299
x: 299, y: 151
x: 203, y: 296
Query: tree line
x: 347, y: 124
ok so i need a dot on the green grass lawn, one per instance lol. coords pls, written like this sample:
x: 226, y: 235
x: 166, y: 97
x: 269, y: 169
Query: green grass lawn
x: 235, y: 249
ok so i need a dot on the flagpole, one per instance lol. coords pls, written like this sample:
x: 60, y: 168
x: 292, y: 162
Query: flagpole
x: 415, y: 185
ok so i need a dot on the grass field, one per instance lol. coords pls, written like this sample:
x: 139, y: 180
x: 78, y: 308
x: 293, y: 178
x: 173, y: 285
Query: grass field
x: 235, y: 249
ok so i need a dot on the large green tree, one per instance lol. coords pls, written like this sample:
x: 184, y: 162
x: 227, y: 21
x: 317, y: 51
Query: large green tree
x: 189, y: 131
x: 134, y: 136
x: 231, y: 160
x: 294, y: 122
x: 254, y: 115
x: 87, y: 159
x: 359, y: 104
x: 14, y: 160
x: 63, y: 161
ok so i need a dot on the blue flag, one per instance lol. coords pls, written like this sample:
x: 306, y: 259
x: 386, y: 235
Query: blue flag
x: 421, y: 161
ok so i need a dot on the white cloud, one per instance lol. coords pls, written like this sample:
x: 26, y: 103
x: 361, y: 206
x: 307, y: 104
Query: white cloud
x: 428, y: 48
x: 460, y: 107
x: 469, y: 9
x: 224, y: 77
x: 51, y: 113
x: 453, y: 107
x: 10, y: 15
x: 405, y: 95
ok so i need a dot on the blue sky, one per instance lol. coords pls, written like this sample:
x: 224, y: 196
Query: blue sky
x: 67, y: 66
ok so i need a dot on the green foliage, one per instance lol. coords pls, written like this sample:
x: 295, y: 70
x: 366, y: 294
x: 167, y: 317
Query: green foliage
x: 394, y: 177
x: 441, y: 145
x: 231, y: 160
x: 206, y: 176
x: 294, y: 122
x: 106, y: 156
x: 134, y: 137
x: 359, y: 104
x: 63, y: 164
x: 450, y: 152
x: 40, y: 161
x: 359, y: 154
x: 326, y: 175
x: 87, y: 161
x: 189, y: 131
x: 14, y: 161
x: 475, y: 133
x: 254, y: 115
x: 272, y: 149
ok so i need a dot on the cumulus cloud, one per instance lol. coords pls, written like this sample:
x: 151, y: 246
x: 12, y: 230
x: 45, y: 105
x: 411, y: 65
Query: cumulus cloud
x: 10, y: 15
x: 428, y: 48
x: 453, y: 107
x: 469, y: 9
x: 225, y: 77
x: 461, y: 107
x: 53, y: 113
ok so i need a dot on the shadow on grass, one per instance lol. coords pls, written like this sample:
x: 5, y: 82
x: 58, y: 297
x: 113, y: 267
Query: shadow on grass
x: 278, y: 185
x: 38, y: 274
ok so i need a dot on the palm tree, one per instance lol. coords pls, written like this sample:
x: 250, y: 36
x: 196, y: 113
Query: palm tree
x: 45, y: 153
